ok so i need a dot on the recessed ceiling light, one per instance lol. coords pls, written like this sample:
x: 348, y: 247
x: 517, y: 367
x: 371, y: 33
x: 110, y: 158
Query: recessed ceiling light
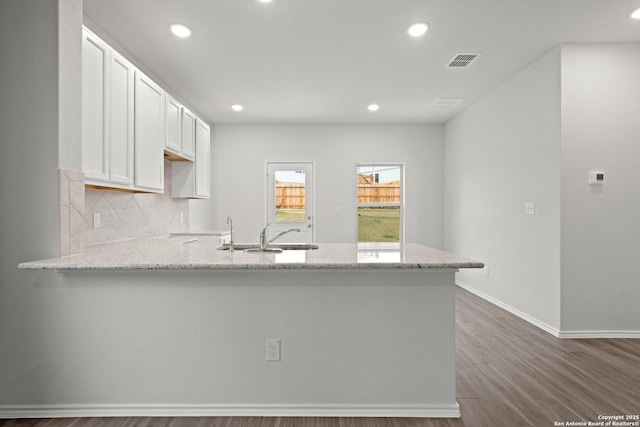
x: 418, y: 29
x: 180, y: 30
x: 264, y: 1
x: 237, y: 107
x: 373, y: 107
x: 635, y: 14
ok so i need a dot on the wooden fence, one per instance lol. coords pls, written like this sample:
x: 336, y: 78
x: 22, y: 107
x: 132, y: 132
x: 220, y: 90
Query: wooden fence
x: 379, y: 193
x: 290, y: 196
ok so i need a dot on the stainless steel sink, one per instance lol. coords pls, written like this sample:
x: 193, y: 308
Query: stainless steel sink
x: 294, y: 246
x: 273, y: 248
x: 265, y: 250
x: 239, y: 246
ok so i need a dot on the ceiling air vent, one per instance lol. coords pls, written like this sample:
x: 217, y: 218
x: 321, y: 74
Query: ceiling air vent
x: 446, y: 102
x: 462, y: 60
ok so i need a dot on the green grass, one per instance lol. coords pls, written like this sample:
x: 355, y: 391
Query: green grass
x: 290, y: 214
x: 374, y: 224
x: 378, y: 225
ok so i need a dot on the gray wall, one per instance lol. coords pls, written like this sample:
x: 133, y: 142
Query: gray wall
x: 29, y: 211
x: 500, y: 153
x: 70, y: 89
x: 237, y: 183
x: 600, y: 225
x: 569, y: 268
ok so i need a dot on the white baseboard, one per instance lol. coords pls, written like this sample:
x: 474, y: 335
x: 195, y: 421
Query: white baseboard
x: 547, y: 328
x: 231, y: 410
x: 599, y: 334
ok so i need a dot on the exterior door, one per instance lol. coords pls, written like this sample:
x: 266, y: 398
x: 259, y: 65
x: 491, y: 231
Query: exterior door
x: 290, y: 201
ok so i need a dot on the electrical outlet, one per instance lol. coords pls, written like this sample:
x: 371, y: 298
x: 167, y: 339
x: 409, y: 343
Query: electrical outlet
x: 273, y: 350
x: 181, y: 217
x: 97, y: 220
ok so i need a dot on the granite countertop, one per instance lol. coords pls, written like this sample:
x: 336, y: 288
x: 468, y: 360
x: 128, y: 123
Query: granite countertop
x: 184, y: 253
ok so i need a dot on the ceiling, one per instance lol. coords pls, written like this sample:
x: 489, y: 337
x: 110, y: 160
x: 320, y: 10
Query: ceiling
x: 324, y: 61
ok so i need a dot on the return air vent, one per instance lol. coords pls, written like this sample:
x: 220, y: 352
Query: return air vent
x: 462, y: 60
x: 446, y: 102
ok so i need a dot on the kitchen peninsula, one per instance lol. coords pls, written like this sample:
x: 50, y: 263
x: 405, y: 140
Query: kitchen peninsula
x: 361, y: 330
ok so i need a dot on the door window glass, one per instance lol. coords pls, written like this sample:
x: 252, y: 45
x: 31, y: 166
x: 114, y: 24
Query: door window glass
x: 290, y: 195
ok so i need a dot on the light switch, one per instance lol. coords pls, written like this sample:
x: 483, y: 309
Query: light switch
x: 530, y: 208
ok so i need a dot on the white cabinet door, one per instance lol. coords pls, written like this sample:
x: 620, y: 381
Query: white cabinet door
x: 188, y: 134
x: 121, y: 120
x: 192, y: 179
x: 95, y: 111
x: 149, y: 134
x: 202, y: 161
x: 173, y: 137
x: 107, y: 114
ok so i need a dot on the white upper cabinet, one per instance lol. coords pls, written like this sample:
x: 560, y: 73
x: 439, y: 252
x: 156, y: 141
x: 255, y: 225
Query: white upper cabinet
x: 149, y: 134
x: 192, y: 180
x: 95, y: 107
x: 107, y: 114
x: 129, y: 126
x: 203, y: 149
x: 180, y: 131
x: 188, y: 134
x: 173, y: 136
x: 121, y: 118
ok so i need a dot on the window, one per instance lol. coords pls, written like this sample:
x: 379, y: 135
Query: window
x: 290, y: 200
x: 380, y: 202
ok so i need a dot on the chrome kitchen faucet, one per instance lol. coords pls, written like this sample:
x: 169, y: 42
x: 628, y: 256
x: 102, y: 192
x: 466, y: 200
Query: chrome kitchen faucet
x: 230, y: 223
x: 263, y: 236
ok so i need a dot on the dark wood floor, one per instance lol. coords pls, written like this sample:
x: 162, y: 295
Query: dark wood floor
x: 510, y: 374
